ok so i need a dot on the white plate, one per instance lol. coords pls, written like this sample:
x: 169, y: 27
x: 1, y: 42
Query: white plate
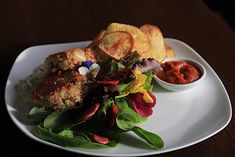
x: 180, y: 118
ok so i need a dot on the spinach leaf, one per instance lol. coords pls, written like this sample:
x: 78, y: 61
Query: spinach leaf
x: 67, y: 138
x: 60, y: 120
x: 90, y: 144
x: 127, y: 120
x: 61, y: 139
x: 124, y: 105
x: 66, y: 133
x: 37, y: 115
x: 153, y: 140
x: 114, y: 66
x: 127, y: 117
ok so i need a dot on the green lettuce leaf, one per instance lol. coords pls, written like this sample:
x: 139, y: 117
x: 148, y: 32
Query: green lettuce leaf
x: 127, y: 118
x: 60, y: 120
x: 122, y: 87
x: 104, y: 106
x: 67, y: 138
x: 114, y: 66
x: 153, y: 140
x: 37, y: 115
x: 148, y: 83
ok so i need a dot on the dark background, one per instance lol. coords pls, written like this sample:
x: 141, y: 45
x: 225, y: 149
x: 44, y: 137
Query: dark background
x: 208, y: 27
x: 225, y: 9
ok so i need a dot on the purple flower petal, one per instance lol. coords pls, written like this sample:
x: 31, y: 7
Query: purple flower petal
x: 87, y: 64
x: 147, y: 65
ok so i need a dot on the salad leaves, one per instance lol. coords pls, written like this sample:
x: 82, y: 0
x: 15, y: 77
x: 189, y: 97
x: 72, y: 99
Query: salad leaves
x: 37, y: 115
x: 127, y: 117
x: 152, y: 139
x: 148, y: 83
x: 67, y: 138
x: 115, y: 66
x: 58, y: 120
x: 109, y: 110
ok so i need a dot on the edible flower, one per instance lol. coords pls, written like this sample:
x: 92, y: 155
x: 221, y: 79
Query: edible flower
x: 140, y: 106
x: 87, y: 64
x: 89, y: 68
x: 137, y: 86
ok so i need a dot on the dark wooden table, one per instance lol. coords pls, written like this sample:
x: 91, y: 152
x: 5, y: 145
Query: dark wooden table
x: 26, y: 23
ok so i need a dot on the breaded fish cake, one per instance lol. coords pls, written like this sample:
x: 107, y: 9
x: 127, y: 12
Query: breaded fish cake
x: 60, y: 91
x: 67, y: 60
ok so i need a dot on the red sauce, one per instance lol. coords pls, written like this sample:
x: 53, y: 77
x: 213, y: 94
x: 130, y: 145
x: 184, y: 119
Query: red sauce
x: 179, y: 72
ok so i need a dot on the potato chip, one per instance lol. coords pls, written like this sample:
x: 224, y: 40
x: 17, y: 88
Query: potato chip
x: 97, y: 39
x: 140, y: 39
x: 169, y: 51
x: 157, y: 47
x: 116, y: 44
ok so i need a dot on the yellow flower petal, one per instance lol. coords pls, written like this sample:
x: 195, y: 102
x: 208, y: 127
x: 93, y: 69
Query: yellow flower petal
x: 147, y: 98
x: 137, y: 86
x: 141, y: 78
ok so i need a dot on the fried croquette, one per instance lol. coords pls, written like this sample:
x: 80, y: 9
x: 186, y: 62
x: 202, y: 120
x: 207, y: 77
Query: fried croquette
x: 60, y: 91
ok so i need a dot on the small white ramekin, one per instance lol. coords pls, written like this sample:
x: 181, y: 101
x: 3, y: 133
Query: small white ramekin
x: 181, y: 87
